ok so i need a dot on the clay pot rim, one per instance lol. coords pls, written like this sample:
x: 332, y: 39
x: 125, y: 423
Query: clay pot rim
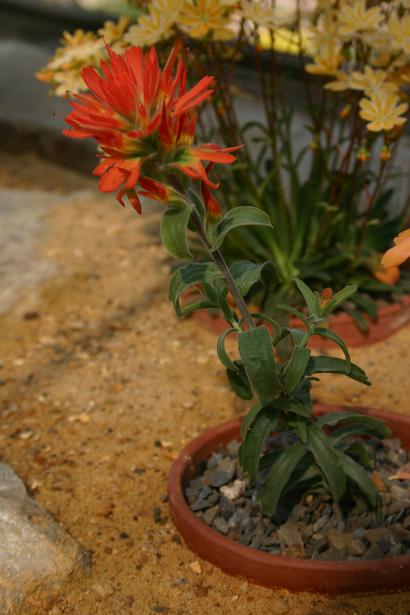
x: 180, y: 508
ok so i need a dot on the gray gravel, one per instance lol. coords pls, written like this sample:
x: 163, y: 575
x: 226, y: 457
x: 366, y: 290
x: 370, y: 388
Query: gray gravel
x: 315, y: 528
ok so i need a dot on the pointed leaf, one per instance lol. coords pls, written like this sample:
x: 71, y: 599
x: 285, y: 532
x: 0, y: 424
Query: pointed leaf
x: 279, y: 477
x: 331, y: 335
x: 251, y: 449
x: 249, y: 419
x: 332, y: 365
x: 359, y: 476
x: 294, y: 370
x: 312, y: 299
x: 327, y: 459
x: 339, y: 298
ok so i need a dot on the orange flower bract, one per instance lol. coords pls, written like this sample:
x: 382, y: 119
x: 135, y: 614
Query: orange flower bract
x: 144, y: 120
x: 400, y: 252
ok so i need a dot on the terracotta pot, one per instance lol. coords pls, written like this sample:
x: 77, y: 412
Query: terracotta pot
x: 390, y: 319
x: 278, y: 570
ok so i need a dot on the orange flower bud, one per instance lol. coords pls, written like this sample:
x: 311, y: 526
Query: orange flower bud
x: 385, y: 153
x: 363, y: 154
x: 326, y: 296
x: 345, y: 111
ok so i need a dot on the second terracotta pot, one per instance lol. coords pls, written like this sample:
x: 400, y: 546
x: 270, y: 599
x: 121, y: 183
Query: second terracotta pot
x: 390, y: 319
x: 278, y: 570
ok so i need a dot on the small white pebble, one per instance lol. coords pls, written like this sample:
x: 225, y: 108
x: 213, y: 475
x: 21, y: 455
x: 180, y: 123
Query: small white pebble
x: 235, y: 490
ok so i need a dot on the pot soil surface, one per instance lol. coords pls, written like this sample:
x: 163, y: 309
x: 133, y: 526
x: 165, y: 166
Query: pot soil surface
x: 100, y: 388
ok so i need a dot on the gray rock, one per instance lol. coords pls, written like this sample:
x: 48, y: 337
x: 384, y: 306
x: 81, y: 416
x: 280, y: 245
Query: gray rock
x: 289, y: 535
x: 356, y: 547
x: 37, y: 554
x: 210, y: 514
x: 204, y: 503
x: 233, y: 448
x: 222, y: 474
x: 221, y: 525
x: 338, y: 540
x: 320, y: 523
x: 375, y: 535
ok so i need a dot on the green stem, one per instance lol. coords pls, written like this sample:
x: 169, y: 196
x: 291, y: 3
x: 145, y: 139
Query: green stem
x: 219, y: 260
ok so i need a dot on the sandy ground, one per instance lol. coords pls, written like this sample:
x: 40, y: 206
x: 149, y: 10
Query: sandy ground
x: 100, y: 389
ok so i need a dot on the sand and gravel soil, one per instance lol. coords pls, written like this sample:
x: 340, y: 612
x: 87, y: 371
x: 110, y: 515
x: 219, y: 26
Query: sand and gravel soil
x: 100, y: 389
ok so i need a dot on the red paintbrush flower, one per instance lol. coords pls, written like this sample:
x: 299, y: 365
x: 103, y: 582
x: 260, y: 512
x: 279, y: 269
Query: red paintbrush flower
x: 144, y: 121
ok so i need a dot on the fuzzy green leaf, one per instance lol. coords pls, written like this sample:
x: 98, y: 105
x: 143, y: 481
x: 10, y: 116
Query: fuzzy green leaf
x: 249, y: 419
x: 332, y: 365
x: 222, y: 354
x: 189, y: 275
x: 251, y: 449
x: 174, y: 229
x: 246, y: 274
x: 331, y: 335
x: 359, y: 476
x: 312, y: 299
x: 237, y: 217
x: 294, y: 370
x: 239, y: 382
x: 255, y: 349
x: 327, y: 459
x: 279, y: 477
x: 339, y: 298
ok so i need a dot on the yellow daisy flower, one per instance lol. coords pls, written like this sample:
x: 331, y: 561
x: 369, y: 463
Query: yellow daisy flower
x: 383, y: 111
x: 354, y: 17
x: 399, y: 29
x: 327, y: 61
x: 202, y: 18
x: 114, y: 31
x: 88, y: 50
x: 153, y: 27
x: 341, y: 84
x: 261, y: 13
x: 380, y: 47
x: 371, y: 81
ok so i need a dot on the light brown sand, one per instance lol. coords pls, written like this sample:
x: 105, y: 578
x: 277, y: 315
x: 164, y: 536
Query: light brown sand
x: 102, y: 390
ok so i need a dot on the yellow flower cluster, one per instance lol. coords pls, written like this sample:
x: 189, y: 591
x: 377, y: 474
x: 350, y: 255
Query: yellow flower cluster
x: 365, y: 45
x: 81, y: 49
